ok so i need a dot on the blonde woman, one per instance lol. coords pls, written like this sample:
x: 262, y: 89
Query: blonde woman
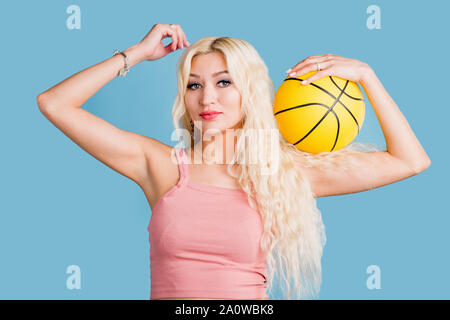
x: 222, y: 226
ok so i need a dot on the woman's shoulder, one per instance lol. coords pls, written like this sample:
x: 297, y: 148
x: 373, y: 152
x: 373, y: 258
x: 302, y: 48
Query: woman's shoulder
x: 162, y: 168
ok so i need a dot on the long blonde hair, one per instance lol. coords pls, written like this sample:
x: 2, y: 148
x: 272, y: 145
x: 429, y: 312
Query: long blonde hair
x: 294, y: 235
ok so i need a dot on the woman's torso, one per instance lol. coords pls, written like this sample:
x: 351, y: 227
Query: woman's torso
x: 164, y: 180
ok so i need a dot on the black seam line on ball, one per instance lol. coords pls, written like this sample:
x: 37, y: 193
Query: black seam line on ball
x: 354, y: 98
x: 302, y: 106
x: 331, y: 95
x: 318, y: 104
x: 337, y: 119
x: 306, y: 105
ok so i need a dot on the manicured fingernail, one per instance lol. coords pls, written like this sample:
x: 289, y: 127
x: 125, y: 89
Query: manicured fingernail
x: 292, y: 74
x: 304, y: 82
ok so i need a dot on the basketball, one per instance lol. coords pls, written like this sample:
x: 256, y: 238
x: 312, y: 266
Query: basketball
x: 322, y: 116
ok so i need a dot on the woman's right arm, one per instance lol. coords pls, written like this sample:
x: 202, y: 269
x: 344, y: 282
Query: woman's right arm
x: 123, y: 151
x: 78, y: 88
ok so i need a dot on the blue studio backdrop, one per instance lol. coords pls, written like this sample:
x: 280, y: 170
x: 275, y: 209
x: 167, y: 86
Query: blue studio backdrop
x: 62, y: 211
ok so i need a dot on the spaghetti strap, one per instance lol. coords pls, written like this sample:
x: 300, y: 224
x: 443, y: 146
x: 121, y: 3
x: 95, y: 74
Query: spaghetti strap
x: 182, y: 165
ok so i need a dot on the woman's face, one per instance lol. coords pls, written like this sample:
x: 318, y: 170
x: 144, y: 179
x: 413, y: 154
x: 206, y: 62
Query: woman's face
x: 210, y: 89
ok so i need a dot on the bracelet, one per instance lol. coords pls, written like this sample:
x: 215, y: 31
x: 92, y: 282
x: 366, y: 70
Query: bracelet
x: 125, y: 70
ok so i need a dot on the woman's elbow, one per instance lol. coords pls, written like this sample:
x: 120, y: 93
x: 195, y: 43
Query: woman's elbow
x: 423, y: 166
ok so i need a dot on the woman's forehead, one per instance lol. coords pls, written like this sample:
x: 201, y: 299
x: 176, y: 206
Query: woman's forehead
x: 209, y: 62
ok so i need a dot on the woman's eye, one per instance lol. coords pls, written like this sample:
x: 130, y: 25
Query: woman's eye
x: 192, y: 85
x: 225, y: 81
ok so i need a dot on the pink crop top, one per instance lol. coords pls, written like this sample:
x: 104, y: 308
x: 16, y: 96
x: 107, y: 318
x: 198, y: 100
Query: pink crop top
x: 204, y: 242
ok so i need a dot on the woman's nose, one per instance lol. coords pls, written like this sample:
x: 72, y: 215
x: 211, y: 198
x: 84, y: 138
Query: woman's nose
x: 209, y: 96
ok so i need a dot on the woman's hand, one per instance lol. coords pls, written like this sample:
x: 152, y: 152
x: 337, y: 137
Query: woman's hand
x: 330, y: 65
x: 151, y: 45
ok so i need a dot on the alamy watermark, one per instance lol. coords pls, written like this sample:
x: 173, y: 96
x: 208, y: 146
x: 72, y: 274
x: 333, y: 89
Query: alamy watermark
x: 264, y: 141
x: 74, y: 20
x: 74, y: 280
x: 374, y: 280
x: 374, y: 20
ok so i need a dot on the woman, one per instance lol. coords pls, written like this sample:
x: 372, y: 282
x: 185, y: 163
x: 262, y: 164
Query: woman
x: 217, y: 218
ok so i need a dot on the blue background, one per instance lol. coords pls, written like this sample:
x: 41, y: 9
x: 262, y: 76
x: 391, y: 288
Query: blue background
x: 60, y: 206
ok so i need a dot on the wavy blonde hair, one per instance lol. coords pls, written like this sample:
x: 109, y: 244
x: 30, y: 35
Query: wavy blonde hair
x: 294, y: 235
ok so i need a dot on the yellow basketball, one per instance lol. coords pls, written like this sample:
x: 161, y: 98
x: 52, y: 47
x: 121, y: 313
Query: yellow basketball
x: 322, y: 116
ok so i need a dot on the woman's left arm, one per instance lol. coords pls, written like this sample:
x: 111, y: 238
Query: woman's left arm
x: 400, y: 139
x: 401, y: 143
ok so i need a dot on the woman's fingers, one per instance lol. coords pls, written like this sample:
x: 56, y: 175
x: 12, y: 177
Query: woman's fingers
x: 177, y: 35
x: 169, y: 32
x: 174, y: 35
x: 312, y: 66
x: 316, y: 76
x: 184, y: 42
x: 180, y: 40
x: 311, y: 59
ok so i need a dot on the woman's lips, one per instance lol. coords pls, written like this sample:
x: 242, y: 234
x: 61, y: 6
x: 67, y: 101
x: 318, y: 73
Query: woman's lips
x: 210, y: 116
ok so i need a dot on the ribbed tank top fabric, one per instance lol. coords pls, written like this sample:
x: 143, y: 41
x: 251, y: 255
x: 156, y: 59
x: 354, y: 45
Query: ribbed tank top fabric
x: 204, y: 242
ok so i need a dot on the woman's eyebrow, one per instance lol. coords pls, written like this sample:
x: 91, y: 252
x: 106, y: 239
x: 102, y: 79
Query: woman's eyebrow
x: 214, y: 74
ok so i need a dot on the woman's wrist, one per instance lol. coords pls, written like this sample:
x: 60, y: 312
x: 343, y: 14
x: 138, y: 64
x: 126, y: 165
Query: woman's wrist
x: 134, y: 55
x: 367, y: 75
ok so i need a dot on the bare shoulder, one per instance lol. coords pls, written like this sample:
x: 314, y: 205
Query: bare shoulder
x: 162, y: 170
